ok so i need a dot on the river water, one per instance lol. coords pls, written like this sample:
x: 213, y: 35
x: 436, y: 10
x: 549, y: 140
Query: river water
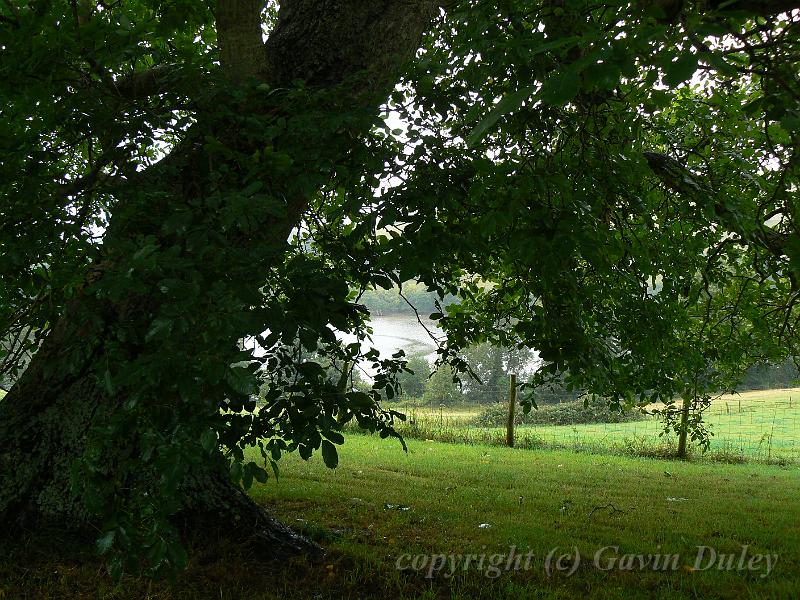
x: 402, y: 332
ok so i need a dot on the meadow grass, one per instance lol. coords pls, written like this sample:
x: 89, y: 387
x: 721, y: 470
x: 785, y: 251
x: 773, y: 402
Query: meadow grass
x: 382, y: 503
x: 758, y: 425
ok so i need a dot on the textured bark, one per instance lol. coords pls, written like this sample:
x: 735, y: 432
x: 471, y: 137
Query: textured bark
x: 46, y: 416
x: 329, y: 41
x: 43, y: 424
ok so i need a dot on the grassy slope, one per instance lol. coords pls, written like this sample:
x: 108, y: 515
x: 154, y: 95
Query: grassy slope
x: 742, y: 422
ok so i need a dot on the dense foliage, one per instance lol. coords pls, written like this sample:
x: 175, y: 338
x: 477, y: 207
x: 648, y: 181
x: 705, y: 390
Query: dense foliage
x: 624, y: 183
x: 612, y: 184
x: 415, y: 377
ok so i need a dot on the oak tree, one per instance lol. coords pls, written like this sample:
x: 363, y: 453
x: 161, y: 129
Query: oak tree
x: 613, y: 184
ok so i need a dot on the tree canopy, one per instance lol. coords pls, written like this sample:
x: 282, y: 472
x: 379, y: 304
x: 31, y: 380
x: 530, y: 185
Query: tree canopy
x: 611, y: 184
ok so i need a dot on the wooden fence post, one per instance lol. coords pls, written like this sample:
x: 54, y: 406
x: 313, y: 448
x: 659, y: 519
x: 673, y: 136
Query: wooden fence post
x: 512, y: 405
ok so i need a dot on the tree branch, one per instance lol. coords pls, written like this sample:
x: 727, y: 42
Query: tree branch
x: 143, y: 84
x: 672, y: 9
x: 241, y: 48
x: 682, y: 181
x: 760, y: 8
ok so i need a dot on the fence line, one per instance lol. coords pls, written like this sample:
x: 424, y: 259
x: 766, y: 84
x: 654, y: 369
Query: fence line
x: 756, y: 425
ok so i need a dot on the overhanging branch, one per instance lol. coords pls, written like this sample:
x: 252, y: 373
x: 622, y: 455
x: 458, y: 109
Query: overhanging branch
x: 679, y: 179
x: 143, y: 84
x: 672, y: 9
x: 760, y: 8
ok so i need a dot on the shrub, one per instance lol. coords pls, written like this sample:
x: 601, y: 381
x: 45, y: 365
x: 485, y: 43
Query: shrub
x: 566, y: 413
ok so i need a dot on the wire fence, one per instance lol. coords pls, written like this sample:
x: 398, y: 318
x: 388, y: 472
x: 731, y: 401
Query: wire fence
x: 761, y: 425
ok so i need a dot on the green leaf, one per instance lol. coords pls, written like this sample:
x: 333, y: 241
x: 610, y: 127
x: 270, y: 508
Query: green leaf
x: 311, y: 370
x: 717, y: 61
x: 208, y: 439
x: 116, y: 568
x: 259, y: 474
x: 678, y: 71
x: 603, y: 75
x: 555, y: 45
x: 359, y: 399
x: 108, y: 383
x: 329, y: 454
x: 791, y: 122
x: 158, y: 552
x: 105, y: 541
x: 560, y: 88
x: 305, y: 451
x: 334, y: 436
x: 247, y: 477
x: 157, y: 328
x: 236, y: 471
x: 177, y: 555
x: 241, y: 381
x: 793, y: 252
x: 507, y: 104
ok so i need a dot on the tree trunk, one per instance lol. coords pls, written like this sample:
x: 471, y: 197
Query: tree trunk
x: 683, y: 430
x: 46, y: 419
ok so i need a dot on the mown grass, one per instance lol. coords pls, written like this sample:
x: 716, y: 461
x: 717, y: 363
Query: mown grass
x: 760, y: 425
x: 534, y: 500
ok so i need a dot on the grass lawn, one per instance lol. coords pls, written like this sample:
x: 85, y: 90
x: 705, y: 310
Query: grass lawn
x: 381, y: 505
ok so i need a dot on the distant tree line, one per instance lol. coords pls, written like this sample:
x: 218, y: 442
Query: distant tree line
x: 770, y: 376
x: 383, y: 302
x: 492, y: 365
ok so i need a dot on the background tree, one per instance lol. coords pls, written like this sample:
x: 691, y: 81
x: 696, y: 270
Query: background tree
x: 770, y: 376
x: 491, y: 366
x: 441, y: 389
x: 413, y: 380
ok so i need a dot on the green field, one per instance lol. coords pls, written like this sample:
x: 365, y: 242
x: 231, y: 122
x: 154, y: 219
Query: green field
x: 381, y: 504
x: 758, y: 425
x: 542, y: 499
